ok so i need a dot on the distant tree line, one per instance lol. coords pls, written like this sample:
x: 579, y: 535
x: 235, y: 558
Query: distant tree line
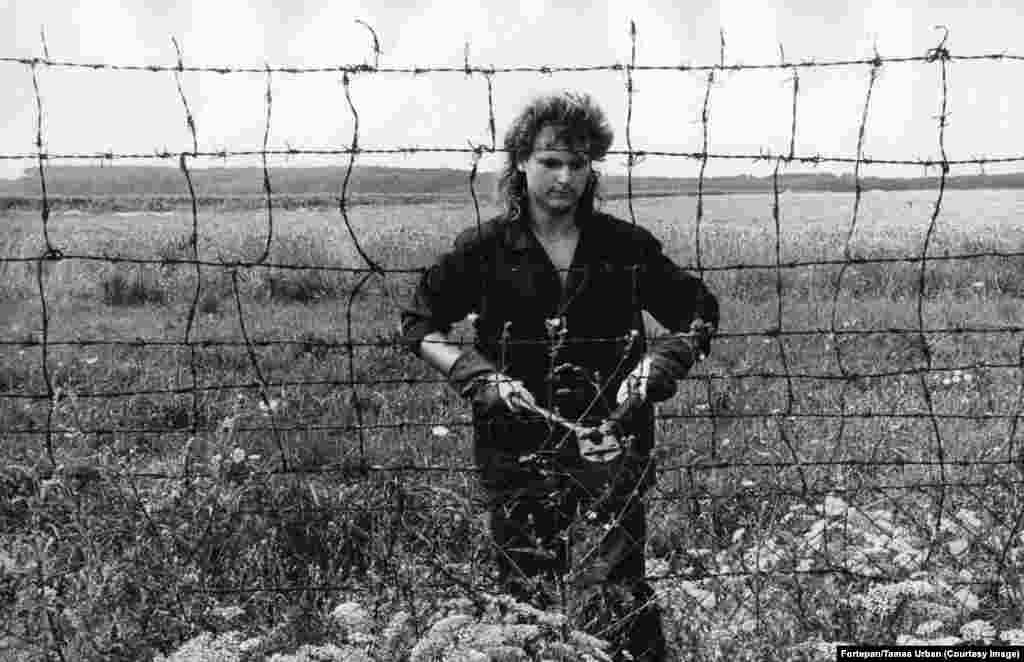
x: 385, y: 181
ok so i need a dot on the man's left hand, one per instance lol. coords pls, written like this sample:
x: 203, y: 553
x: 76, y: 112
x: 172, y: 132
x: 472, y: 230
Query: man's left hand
x: 654, y: 377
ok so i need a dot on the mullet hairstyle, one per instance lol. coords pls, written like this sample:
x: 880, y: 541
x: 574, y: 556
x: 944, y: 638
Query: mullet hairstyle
x: 583, y: 125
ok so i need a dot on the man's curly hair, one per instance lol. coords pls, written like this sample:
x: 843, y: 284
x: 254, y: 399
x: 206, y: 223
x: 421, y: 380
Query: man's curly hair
x: 582, y: 125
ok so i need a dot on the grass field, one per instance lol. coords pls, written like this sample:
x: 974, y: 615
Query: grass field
x: 798, y: 470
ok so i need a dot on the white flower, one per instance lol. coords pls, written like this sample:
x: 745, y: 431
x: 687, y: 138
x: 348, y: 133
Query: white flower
x: 91, y: 360
x: 352, y: 616
x: 228, y: 613
x: 968, y: 517
x: 439, y: 431
x: 978, y: 631
x: 269, y: 406
x: 238, y: 456
x: 967, y: 600
x: 957, y: 547
x: 1013, y: 637
x: 834, y: 506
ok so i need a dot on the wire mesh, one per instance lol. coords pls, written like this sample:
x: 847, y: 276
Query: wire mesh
x: 797, y: 462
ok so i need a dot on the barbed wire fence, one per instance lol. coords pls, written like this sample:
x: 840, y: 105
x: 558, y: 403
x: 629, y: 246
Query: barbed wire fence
x: 781, y: 517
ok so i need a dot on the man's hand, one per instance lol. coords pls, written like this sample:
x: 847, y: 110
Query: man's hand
x: 647, y: 382
x: 478, y: 380
x: 654, y: 377
x: 495, y: 390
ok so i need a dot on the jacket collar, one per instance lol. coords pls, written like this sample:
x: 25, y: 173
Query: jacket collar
x: 518, y: 237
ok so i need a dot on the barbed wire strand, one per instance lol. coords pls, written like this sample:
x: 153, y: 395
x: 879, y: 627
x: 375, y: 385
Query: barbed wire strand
x: 288, y: 152
x: 940, y: 55
x: 836, y: 340
x: 269, y: 100
x: 630, y: 154
x: 193, y: 310
x: 49, y: 255
x: 780, y: 422
x: 542, y: 69
x: 796, y: 94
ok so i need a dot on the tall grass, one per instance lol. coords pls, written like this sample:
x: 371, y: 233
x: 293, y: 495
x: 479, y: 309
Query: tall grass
x: 102, y: 566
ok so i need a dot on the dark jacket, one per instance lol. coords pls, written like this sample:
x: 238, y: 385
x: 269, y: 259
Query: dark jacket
x: 500, y: 272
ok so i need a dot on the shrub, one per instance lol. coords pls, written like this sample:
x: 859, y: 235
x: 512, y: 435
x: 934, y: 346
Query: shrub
x: 133, y: 286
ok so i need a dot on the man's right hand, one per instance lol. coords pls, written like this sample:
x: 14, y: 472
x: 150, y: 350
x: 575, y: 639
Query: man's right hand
x: 495, y: 390
x: 478, y: 380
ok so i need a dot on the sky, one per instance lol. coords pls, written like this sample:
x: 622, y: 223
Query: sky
x: 90, y: 111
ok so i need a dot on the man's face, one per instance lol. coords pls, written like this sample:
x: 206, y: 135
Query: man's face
x: 556, y: 173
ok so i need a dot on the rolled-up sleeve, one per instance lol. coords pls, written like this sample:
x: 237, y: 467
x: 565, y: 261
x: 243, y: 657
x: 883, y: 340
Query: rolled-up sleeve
x: 445, y: 294
x: 672, y: 295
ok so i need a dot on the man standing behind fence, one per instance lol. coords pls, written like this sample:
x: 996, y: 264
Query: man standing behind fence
x: 556, y: 290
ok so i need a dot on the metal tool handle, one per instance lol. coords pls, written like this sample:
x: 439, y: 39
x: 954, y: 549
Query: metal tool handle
x: 606, y: 450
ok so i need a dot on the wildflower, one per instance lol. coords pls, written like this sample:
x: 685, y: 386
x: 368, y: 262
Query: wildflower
x: 228, y: 613
x: 957, y: 547
x: 472, y: 317
x: 250, y: 644
x: 352, y: 616
x: 834, y: 506
x: 269, y: 406
x: 704, y: 599
x: 238, y: 456
x: 978, y: 631
x: 91, y: 360
x: 439, y: 431
x: 968, y: 517
x: 929, y: 627
x: 656, y: 567
x: 967, y: 600
x: 882, y: 599
x: 1013, y: 637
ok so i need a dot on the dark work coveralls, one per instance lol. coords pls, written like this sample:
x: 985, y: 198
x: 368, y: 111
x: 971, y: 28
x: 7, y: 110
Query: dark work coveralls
x: 499, y: 271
